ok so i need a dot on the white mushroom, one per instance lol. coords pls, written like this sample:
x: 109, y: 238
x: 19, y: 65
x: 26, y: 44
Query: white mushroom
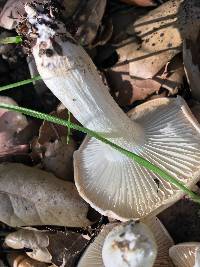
x: 162, y: 131
x: 93, y: 254
x: 130, y: 244
x: 186, y: 254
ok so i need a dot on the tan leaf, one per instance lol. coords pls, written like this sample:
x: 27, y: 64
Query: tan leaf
x: 158, y: 41
x: 33, y: 197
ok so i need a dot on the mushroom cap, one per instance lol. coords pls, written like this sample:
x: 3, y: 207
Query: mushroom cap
x: 129, y: 244
x: 118, y: 187
x: 93, y: 254
x: 186, y: 254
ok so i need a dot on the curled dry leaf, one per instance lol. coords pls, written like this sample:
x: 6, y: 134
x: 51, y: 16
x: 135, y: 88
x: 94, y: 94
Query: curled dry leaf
x: 22, y: 260
x: 61, y: 249
x: 88, y: 20
x: 33, y: 197
x: 11, y: 125
x: 158, y: 41
x: 140, y: 2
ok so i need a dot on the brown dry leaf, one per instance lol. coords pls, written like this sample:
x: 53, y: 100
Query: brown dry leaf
x: 61, y: 249
x: 11, y: 125
x: 88, y: 21
x: 140, y: 2
x: 126, y: 89
x: 22, y: 260
x: 57, y: 157
x: 49, y: 132
x: 34, y: 197
x: 189, y: 25
x: 51, y: 147
x: 158, y: 41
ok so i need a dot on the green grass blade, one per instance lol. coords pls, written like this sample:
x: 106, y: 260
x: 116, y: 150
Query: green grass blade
x: 141, y: 161
x: 11, y: 40
x: 17, y: 84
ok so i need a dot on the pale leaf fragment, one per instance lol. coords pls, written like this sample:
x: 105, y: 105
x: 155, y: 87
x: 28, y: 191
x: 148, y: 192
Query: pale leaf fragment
x: 33, y: 197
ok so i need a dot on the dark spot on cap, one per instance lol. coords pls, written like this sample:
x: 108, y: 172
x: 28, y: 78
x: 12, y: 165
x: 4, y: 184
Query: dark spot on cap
x: 49, y: 52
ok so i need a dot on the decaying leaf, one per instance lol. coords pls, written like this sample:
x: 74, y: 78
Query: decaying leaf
x: 88, y: 20
x: 158, y: 41
x: 11, y: 124
x: 140, y: 2
x: 126, y: 89
x: 61, y: 249
x: 57, y: 157
x: 51, y: 146
x: 34, y: 197
x: 22, y: 260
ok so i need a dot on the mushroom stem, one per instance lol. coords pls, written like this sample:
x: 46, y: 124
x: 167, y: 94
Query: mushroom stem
x: 72, y: 76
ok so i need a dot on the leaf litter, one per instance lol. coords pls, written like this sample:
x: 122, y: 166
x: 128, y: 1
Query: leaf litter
x: 144, y: 49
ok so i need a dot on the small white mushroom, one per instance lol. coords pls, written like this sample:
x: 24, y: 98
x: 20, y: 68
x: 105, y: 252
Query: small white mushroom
x: 163, y: 131
x: 131, y: 244
x: 186, y: 254
x: 93, y: 254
